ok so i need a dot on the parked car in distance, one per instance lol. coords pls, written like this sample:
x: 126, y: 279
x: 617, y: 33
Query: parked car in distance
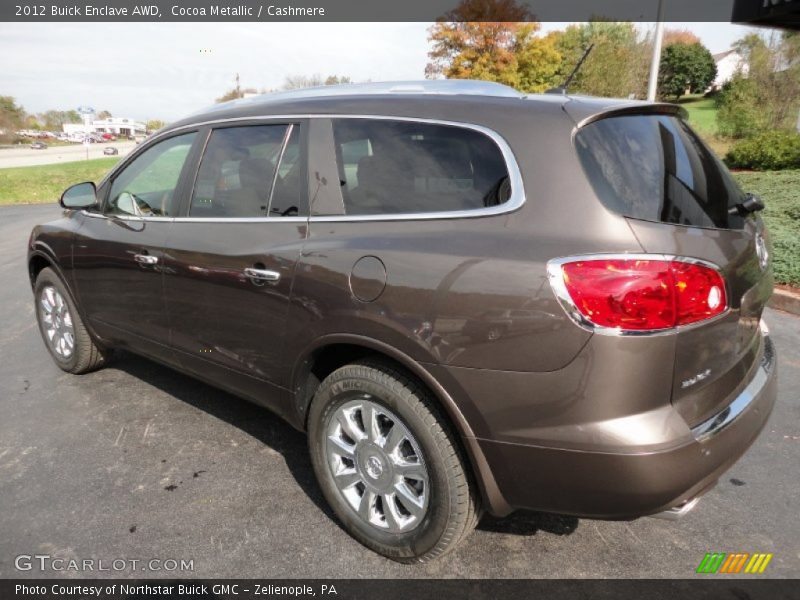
x: 110, y: 151
x: 38, y: 146
x: 469, y: 298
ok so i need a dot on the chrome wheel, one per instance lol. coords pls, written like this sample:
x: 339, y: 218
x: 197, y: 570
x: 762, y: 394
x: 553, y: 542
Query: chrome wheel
x: 377, y: 465
x: 57, y: 322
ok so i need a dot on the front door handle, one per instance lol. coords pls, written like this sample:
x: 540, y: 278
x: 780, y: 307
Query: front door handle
x: 145, y: 259
x: 262, y: 275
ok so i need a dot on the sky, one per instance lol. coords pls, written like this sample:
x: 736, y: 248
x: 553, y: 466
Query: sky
x: 168, y: 70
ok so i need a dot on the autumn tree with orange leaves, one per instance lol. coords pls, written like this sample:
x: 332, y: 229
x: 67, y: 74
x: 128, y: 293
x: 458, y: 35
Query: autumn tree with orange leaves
x: 680, y: 36
x: 493, y: 40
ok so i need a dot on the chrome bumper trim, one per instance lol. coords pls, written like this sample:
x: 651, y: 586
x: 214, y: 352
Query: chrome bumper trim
x: 730, y: 413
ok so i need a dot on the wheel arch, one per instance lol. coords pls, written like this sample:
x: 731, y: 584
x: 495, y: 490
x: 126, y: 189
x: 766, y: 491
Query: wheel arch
x: 330, y: 352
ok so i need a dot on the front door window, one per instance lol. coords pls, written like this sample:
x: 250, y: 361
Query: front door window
x: 146, y: 187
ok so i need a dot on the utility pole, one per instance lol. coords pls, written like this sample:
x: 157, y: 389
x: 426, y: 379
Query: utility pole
x: 656, y: 60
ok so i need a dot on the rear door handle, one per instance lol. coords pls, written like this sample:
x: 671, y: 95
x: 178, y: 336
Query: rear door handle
x: 145, y: 259
x: 262, y: 275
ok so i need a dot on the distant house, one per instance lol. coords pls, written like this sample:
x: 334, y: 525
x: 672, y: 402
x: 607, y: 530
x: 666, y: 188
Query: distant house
x: 728, y: 63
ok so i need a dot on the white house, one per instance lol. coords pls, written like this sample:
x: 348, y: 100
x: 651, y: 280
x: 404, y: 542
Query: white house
x: 728, y: 63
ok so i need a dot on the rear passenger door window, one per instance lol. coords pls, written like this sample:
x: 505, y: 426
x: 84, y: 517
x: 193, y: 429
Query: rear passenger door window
x: 250, y: 171
x: 402, y: 167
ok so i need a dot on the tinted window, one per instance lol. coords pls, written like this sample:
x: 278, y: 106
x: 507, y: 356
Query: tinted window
x: 654, y: 167
x: 407, y: 167
x: 290, y: 179
x: 238, y: 169
x: 146, y: 187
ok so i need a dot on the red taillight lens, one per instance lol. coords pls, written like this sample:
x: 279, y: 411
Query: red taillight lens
x: 639, y: 295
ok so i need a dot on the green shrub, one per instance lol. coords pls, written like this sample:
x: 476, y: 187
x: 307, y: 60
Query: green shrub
x: 773, y: 150
x: 782, y: 217
x: 739, y: 114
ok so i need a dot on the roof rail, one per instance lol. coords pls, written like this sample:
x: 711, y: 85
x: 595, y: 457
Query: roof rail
x: 454, y: 87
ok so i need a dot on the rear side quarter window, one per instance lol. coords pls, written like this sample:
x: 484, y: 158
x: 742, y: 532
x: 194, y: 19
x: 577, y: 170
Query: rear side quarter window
x: 407, y: 167
x: 654, y: 167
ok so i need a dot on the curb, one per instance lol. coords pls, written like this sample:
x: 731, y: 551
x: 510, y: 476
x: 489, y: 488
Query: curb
x: 785, y: 300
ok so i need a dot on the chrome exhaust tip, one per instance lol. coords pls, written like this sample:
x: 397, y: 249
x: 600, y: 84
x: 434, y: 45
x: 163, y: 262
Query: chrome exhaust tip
x: 677, y: 512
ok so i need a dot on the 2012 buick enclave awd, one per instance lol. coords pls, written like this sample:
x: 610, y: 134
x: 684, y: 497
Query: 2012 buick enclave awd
x: 469, y: 298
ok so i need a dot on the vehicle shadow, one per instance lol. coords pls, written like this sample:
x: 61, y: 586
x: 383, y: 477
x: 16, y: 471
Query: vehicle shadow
x: 257, y: 422
x: 528, y: 522
x: 274, y: 432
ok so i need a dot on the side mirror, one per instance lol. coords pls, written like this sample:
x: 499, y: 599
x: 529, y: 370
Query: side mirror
x: 80, y: 195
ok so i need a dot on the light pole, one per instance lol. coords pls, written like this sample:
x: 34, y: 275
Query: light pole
x: 656, y: 60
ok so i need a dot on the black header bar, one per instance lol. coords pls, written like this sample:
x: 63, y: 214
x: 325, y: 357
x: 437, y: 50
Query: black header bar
x: 373, y: 10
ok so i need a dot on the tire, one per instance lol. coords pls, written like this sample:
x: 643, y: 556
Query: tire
x: 435, y: 505
x: 60, y: 323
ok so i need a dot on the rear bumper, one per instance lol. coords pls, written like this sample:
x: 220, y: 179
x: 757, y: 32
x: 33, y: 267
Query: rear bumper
x: 637, y: 480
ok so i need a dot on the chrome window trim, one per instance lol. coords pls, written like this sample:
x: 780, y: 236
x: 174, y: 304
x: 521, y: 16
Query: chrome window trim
x: 717, y: 423
x: 556, y: 278
x: 515, y: 202
x: 95, y: 215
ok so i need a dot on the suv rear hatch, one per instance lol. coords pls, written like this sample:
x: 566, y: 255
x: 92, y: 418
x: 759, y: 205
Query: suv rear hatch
x: 646, y: 164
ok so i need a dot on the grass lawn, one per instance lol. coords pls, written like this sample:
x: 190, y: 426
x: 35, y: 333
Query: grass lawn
x: 44, y: 183
x: 781, y: 193
x: 702, y: 114
x: 703, y: 119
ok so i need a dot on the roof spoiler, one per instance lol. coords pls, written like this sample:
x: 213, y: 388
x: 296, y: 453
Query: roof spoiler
x: 639, y: 108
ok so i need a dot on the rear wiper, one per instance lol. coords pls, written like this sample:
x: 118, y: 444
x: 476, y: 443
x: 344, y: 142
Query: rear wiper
x: 752, y: 203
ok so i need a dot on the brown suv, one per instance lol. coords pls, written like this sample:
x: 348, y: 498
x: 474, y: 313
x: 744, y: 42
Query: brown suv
x: 469, y: 298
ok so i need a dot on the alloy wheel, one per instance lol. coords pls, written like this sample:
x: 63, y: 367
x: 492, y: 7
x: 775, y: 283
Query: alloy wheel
x: 377, y: 465
x: 57, y: 322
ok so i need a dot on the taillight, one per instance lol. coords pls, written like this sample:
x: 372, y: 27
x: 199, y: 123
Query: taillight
x: 639, y: 294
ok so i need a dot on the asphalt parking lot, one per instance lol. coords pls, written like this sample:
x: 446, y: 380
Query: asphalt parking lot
x: 139, y: 462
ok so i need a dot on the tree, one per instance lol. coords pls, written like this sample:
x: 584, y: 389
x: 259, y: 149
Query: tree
x: 12, y: 117
x: 679, y: 36
x: 53, y: 120
x: 767, y: 97
x: 336, y: 80
x: 294, y: 82
x: 154, y: 124
x: 32, y: 122
x: 617, y: 65
x: 538, y: 60
x: 493, y: 40
x: 685, y: 68
x: 104, y: 114
x: 477, y: 40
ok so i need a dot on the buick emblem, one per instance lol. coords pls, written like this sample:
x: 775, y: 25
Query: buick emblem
x: 374, y: 467
x: 761, y: 251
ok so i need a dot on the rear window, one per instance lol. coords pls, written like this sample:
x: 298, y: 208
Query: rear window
x: 395, y: 167
x: 655, y: 167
